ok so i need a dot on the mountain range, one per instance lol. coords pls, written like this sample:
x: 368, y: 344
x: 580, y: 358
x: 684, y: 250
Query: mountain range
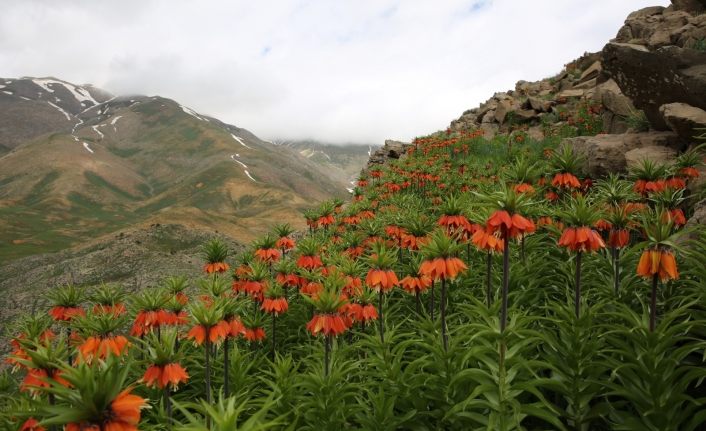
x: 77, y: 163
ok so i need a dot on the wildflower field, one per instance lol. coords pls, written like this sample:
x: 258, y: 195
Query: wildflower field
x: 472, y: 284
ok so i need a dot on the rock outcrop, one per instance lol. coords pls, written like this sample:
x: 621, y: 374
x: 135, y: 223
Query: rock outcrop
x: 654, y: 78
x: 606, y: 154
x: 392, y: 150
x: 686, y: 120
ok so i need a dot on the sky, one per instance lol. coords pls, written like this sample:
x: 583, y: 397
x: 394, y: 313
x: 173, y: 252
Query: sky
x: 339, y: 71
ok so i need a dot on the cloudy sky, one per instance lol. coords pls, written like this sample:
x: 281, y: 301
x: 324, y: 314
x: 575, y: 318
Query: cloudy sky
x: 333, y: 70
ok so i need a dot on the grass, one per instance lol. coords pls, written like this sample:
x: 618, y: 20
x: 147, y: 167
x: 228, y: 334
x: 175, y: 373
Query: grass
x: 102, y: 183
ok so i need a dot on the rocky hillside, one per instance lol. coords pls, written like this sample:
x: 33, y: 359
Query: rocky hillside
x: 77, y: 163
x: 642, y: 97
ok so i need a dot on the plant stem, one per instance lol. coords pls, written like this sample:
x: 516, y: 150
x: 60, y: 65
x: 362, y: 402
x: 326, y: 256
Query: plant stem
x: 522, y: 249
x: 444, y: 336
x: 208, y: 370
x: 616, y: 269
x: 506, y: 280
x: 168, y: 406
x: 489, y: 285
x: 274, y: 335
x: 418, y: 302
x: 382, y: 323
x: 577, y: 285
x: 431, y: 307
x: 327, y: 353
x: 226, y: 371
x: 653, y: 303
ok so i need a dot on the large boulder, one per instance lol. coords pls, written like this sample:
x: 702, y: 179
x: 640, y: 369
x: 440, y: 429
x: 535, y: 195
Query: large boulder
x: 606, y: 154
x: 658, y: 154
x: 617, y: 107
x: 654, y: 78
x: 684, y: 119
x: 390, y: 151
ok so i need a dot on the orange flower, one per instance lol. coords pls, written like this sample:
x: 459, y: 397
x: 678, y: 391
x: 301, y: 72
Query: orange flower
x: 645, y: 187
x: 219, y: 267
x: 254, y: 334
x: 125, y: 412
x: 381, y: 279
x: 689, y: 172
x: 676, y: 216
x: 275, y: 305
x: 581, y: 239
x: 268, y: 254
x: 102, y: 347
x: 487, y: 241
x: 361, y: 313
x: 309, y: 262
x: 163, y: 375
x: 285, y: 243
x: 453, y: 222
x: 215, y: 333
x: 566, y: 180
x: 412, y: 242
x: 676, y: 183
x: 524, y: 188
x: 442, y: 268
x: 415, y: 284
x: 236, y: 327
x: 325, y: 220
x: 658, y: 262
x: 290, y: 280
x: 602, y: 225
x: 618, y: 238
x: 65, y: 314
x: 312, y: 289
x: 515, y: 225
x: 353, y: 286
x: 327, y: 324
x: 37, y: 378
x: 31, y: 424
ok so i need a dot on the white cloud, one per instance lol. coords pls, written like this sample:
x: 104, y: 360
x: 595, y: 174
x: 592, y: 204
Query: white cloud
x: 343, y: 71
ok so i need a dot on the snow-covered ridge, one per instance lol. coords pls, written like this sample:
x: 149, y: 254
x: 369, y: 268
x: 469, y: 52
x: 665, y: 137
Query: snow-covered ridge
x: 95, y: 129
x: 192, y: 113
x: 81, y: 95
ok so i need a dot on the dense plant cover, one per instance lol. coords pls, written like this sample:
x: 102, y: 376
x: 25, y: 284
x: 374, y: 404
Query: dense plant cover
x: 473, y: 284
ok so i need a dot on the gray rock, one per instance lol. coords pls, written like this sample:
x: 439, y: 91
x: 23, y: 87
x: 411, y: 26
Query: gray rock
x: 656, y: 153
x: 684, y: 119
x: 607, y: 153
x: 654, y: 78
x: 591, y: 72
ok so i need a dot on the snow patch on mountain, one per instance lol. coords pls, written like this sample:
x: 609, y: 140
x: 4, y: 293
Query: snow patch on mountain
x: 95, y: 129
x: 85, y: 145
x: 245, y: 167
x: 66, y: 114
x: 240, y: 140
x: 81, y: 95
x: 192, y: 113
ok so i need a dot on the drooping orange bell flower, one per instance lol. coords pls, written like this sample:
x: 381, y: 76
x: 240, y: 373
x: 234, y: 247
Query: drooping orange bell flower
x: 285, y: 243
x: 566, y: 180
x: 219, y: 267
x: 658, y: 262
x: 361, y: 312
x: 689, y: 172
x: 254, y: 334
x: 515, y: 225
x: 442, y: 268
x: 581, y: 239
x: 275, y: 305
x: 215, y: 333
x: 102, y: 347
x: 162, y: 376
x: 676, y: 216
x: 268, y: 255
x: 31, y: 424
x: 645, y: 187
x: 487, y: 241
x: 414, y: 285
x: 65, y: 314
x: 326, y: 324
x: 309, y: 262
x: 381, y: 279
x: 524, y: 188
x: 618, y: 238
x: 40, y: 378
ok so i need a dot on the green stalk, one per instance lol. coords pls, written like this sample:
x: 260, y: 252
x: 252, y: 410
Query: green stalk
x: 489, y: 286
x: 226, y: 366
x: 577, y: 285
x: 382, y: 323
x: 506, y: 280
x: 653, y: 303
x: 444, y: 336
